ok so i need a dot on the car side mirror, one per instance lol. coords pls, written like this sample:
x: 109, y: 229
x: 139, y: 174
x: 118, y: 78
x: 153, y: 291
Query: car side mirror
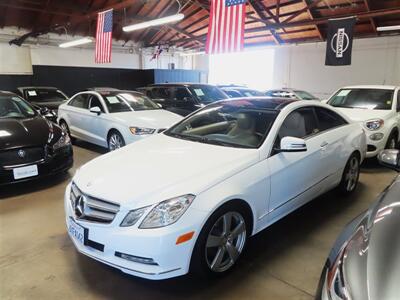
x: 95, y: 110
x: 44, y: 111
x: 390, y: 158
x: 292, y: 144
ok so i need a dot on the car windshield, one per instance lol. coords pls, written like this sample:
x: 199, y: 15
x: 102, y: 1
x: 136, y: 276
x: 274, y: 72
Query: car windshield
x: 15, y: 107
x: 250, y: 93
x: 126, y: 101
x: 237, y: 123
x: 363, y: 98
x: 207, y: 93
x: 45, y: 95
x: 305, y: 95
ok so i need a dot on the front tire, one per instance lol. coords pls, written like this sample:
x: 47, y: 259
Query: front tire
x: 221, y: 241
x: 350, y: 175
x: 115, y: 141
x: 392, y: 141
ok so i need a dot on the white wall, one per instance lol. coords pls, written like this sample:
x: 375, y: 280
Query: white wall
x: 15, y: 60
x: 375, y: 61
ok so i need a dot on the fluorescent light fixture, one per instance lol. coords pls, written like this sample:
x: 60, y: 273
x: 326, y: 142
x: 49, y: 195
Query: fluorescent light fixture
x: 388, y: 28
x: 192, y: 53
x: 76, y: 43
x: 156, y: 22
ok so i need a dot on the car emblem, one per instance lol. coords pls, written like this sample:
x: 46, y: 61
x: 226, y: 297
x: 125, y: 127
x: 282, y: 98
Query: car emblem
x: 21, y: 153
x: 80, y: 207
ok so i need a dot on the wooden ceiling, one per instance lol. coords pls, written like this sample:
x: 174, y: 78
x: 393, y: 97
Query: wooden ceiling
x: 267, y: 22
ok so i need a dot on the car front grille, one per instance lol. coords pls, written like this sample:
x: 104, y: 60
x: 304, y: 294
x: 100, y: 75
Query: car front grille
x: 22, y: 156
x: 92, y: 209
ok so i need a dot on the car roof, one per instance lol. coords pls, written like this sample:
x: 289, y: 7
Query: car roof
x: 38, y: 87
x: 105, y: 92
x: 269, y: 103
x: 5, y: 93
x: 180, y: 84
x: 377, y: 87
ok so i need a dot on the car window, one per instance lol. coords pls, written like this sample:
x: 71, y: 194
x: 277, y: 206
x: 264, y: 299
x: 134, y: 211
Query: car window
x: 80, y: 101
x: 305, y: 95
x: 328, y: 119
x: 45, y: 95
x: 95, y: 101
x: 398, y: 100
x: 15, y: 107
x: 300, y: 123
x: 182, y: 94
x: 161, y: 93
x: 363, y: 98
x: 207, y: 93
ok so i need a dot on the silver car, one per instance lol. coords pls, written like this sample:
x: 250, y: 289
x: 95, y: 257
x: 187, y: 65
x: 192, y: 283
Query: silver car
x: 365, y: 260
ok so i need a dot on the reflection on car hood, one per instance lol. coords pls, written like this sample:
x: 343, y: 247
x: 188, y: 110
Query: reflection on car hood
x: 359, y: 115
x: 157, y: 118
x: 17, y: 133
x: 371, y: 262
x: 158, y: 168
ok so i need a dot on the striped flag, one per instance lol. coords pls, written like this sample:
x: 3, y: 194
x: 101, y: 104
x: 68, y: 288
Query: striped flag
x: 226, y: 26
x: 104, y: 37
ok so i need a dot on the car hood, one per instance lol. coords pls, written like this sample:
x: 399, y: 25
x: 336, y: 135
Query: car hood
x: 371, y: 261
x: 156, y: 119
x: 158, y: 168
x: 360, y: 115
x: 29, y: 132
x: 49, y: 105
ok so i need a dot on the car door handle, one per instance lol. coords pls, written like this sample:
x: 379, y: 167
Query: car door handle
x: 324, y: 144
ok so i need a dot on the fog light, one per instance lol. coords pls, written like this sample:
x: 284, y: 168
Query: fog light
x: 137, y: 259
x: 376, y: 136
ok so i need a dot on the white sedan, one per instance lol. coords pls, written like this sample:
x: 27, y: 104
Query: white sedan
x: 188, y: 199
x: 113, y: 118
x: 377, y: 108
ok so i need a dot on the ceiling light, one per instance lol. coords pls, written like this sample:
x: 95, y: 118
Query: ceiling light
x: 192, y: 53
x: 388, y: 28
x: 76, y: 43
x: 156, y: 22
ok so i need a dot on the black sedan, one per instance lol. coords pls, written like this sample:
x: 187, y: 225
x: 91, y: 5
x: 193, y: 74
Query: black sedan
x: 45, y: 99
x: 365, y: 260
x: 183, y: 98
x: 30, y: 146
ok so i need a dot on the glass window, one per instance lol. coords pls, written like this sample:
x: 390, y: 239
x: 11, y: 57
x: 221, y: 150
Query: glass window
x: 182, y: 94
x: 128, y: 101
x: 95, y: 102
x: 303, y: 95
x: 45, y: 95
x: 207, y: 93
x: 232, y: 93
x: 328, y: 119
x: 363, y: 98
x: 250, y: 93
x: 80, y: 101
x: 232, y: 124
x: 300, y: 123
x: 161, y: 93
x: 15, y: 107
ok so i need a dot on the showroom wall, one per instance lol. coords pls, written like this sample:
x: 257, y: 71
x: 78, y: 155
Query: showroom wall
x: 375, y: 61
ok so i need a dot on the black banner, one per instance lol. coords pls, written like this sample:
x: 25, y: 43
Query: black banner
x: 340, y: 41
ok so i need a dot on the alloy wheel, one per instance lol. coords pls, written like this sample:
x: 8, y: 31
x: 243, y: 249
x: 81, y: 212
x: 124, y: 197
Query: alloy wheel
x: 225, y: 241
x: 115, y: 142
x: 352, y: 174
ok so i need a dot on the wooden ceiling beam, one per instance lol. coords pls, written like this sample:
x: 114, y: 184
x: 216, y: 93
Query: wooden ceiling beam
x: 311, y: 16
x: 372, y: 21
x: 301, y: 11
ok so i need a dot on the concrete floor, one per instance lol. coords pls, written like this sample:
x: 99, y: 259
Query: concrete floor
x: 38, y: 261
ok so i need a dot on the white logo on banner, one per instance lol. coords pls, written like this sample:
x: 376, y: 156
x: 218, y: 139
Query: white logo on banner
x: 340, y: 43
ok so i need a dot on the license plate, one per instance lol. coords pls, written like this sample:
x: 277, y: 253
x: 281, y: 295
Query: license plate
x: 25, y: 172
x: 77, y: 231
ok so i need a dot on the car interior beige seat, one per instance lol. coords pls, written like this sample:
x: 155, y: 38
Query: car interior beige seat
x: 244, y: 130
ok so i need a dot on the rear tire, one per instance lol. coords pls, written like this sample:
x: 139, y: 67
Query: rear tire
x: 221, y: 241
x: 115, y: 141
x: 350, y: 175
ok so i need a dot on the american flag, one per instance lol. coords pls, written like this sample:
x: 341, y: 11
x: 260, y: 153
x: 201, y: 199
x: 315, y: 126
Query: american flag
x: 226, y: 26
x: 104, y: 36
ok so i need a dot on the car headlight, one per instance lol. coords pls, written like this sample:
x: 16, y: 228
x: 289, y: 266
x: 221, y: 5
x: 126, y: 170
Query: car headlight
x: 133, y: 216
x: 141, y: 130
x: 167, y: 212
x: 63, y: 141
x: 374, y: 124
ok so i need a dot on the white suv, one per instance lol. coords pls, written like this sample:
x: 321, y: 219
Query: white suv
x: 377, y: 108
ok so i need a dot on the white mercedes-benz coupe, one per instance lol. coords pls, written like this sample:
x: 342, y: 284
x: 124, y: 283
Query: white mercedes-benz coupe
x: 113, y: 118
x: 188, y: 199
x: 377, y: 108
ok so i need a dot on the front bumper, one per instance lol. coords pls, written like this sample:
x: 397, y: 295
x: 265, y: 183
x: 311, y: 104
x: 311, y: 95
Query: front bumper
x: 374, y: 147
x: 61, y: 161
x: 104, y: 241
